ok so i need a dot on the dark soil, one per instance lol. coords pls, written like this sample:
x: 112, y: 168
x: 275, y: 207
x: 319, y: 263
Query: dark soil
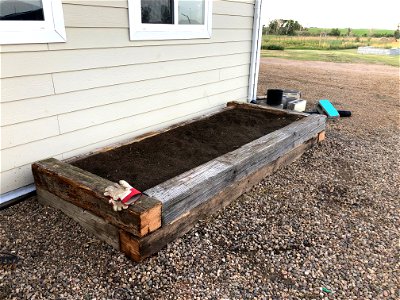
x: 156, y: 159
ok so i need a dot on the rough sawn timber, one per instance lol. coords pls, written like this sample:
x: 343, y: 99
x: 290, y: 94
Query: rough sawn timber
x: 184, y: 199
x: 85, y: 190
x: 92, y: 223
x: 140, y: 248
x: 184, y: 192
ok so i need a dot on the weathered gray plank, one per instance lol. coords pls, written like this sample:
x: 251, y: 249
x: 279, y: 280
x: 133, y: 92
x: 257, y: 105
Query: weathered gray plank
x: 92, y: 223
x: 273, y: 110
x: 138, y: 249
x: 184, y: 192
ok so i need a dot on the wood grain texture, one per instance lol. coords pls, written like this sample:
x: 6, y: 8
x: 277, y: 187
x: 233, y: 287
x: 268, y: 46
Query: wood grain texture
x: 139, y: 249
x: 182, y: 193
x: 85, y: 190
x: 272, y: 110
x: 92, y: 223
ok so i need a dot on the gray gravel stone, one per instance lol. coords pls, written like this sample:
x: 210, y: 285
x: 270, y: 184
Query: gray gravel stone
x: 325, y: 227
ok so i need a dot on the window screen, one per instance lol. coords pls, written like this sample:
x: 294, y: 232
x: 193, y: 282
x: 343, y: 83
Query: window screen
x: 21, y: 10
x: 191, y: 12
x: 158, y: 11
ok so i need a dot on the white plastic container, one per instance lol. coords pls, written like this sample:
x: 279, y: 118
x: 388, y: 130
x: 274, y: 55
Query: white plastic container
x: 297, y: 105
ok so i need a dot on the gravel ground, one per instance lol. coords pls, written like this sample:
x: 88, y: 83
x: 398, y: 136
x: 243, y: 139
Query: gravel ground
x: 329, y: 220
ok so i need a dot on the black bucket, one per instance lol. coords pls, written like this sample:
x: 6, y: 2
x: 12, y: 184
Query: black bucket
x: 274, y: 97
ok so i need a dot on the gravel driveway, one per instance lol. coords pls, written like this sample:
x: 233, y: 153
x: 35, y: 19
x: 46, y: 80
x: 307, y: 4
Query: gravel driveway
x: 328, y: 221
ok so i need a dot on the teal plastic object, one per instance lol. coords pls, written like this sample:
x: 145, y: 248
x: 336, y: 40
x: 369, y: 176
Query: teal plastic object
x: 328, y: 109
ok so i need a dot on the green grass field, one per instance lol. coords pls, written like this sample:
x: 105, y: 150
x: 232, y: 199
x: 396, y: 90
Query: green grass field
x: 342, y: 56
x: 325, y: 42
x: 355, y: 32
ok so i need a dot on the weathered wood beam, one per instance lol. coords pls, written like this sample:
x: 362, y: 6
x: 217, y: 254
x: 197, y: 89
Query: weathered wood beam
x: 272, y: 110
x: 140, y: 248
x: 92, y: 223
x: 85, y: 190
x: 184, y: 192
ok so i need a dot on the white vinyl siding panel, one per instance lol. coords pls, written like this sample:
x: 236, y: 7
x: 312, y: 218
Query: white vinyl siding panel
x: 106, y: 3
x: 100, y: 114
x: 27, y: 132
x: 92, y: 78
x: 87, y: 38
x: 31, y: 63
x: 17, y: 88
x: 64, y: 103
x: 86, y: 16
x: 27, y: 153
x: 95, y: 16
x: 99, y: 88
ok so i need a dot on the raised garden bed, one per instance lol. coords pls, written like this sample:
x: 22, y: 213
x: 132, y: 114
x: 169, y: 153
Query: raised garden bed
x: 186, y: 172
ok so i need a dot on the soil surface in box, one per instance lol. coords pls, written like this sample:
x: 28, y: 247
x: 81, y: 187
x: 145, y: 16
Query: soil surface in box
x: 156, y: 159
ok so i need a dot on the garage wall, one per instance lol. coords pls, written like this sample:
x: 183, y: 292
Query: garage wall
x: 61, y: 100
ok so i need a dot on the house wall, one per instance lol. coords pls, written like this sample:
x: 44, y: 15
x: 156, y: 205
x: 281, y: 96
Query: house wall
x: 61, y: 100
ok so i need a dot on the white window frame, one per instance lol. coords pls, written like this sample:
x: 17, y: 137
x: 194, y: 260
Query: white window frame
x: 140, y: 31
x: 51, y: 30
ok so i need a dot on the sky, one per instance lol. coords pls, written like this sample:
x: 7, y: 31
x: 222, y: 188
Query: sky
x: 368, y: 14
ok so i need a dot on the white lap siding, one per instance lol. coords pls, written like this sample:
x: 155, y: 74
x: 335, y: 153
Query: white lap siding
x: 65, y: 99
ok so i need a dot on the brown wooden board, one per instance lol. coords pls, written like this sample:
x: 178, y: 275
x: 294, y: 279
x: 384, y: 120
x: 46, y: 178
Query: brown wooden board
x: 277, y: 111
x: 92, y: 223
x: 85, y: 190
x: 140, y: 248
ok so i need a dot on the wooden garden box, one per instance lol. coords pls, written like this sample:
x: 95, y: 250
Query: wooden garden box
x: 170, y: 209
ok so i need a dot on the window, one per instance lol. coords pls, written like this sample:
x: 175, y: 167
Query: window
x: 170, y: 19
x: 31, y: 21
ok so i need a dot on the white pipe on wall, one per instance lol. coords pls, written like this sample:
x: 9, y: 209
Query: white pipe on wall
x: 255, y: 51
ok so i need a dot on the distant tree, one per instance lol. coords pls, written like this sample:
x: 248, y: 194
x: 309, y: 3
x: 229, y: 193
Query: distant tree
x: 273, y: 27
x: 283, y: 27
x: 291, y: 27
x: 334, y: 32
x: 348, y: 31
x: 397, y: 33
x: 264, y: 30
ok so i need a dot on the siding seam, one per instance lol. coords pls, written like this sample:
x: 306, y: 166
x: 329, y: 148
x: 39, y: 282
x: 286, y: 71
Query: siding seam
x: 122, y: 101
x: 163, y: 107
x: 145, y: 45
x: 58, y: 123
x: 172, y: 120
x: 54, y: 88
x: 111, y: 121
x: 121, y: 83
